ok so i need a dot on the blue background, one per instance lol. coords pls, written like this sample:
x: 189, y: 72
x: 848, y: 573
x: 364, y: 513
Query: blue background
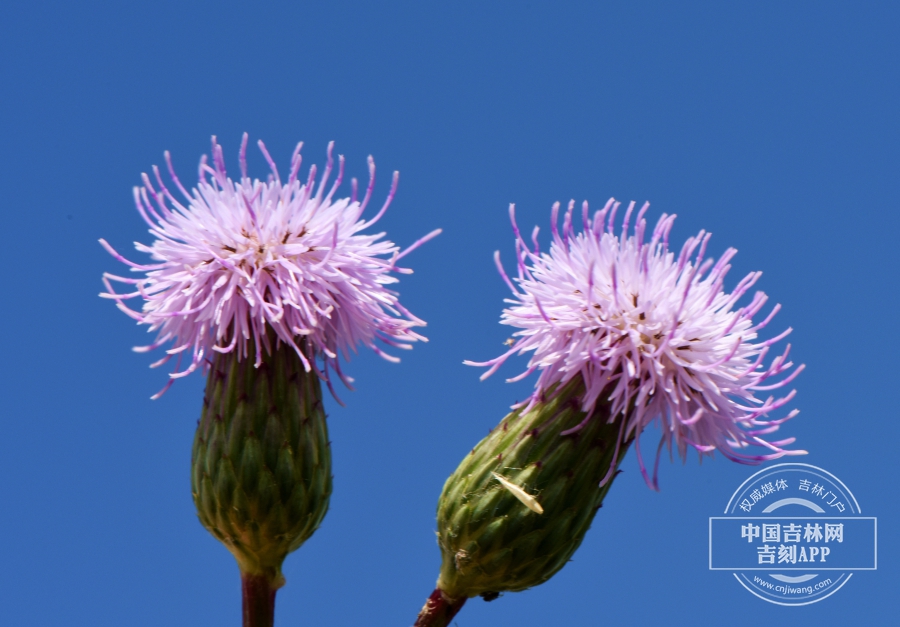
x: 773, y: 125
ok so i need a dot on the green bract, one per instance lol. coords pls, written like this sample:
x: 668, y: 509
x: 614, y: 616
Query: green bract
x: 490, y: 541
x: 261, y: 463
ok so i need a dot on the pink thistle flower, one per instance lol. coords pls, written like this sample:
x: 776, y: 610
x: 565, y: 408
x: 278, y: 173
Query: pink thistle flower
x: 238, y: 258
x: 652, y: 333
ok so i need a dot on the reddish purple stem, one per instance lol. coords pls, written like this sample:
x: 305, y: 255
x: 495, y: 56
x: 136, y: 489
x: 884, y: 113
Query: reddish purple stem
x: 439, y: 610
x: 259, y: 600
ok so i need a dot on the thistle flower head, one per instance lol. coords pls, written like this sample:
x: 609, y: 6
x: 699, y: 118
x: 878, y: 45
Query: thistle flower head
x: 651, y: 332
x: 234, y: 260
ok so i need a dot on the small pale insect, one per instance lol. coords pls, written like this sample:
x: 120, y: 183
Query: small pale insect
x: 527, y: 500
x: 509, y: 342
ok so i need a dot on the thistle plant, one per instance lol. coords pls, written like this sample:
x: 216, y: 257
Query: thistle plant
x: 624, y: 334
x: 263, y: 285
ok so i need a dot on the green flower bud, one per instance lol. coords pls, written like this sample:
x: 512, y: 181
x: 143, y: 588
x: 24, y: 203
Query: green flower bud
x: 261, y: 463
x: 519, y: 504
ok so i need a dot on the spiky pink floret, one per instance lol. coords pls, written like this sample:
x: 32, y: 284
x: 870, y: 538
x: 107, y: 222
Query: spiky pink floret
x: 650, y: 332
x: 237, y: 258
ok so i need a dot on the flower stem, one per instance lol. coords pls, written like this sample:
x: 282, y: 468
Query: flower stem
x: 439, y: 610
x: 259, y: 600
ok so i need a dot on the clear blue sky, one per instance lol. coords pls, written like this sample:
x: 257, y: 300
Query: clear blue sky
x: 773, y: 125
